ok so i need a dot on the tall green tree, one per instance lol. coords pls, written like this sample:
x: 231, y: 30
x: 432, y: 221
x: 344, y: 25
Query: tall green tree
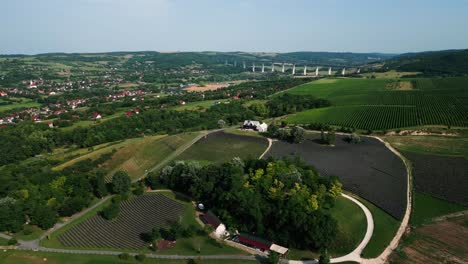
x: 12, y: 217
x: 121, y: 183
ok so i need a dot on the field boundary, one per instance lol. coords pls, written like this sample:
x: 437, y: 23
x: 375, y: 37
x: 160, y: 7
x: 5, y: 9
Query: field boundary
x: 382, y: 258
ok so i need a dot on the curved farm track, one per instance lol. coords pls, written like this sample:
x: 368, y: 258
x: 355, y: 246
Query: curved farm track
x: 369, y: 157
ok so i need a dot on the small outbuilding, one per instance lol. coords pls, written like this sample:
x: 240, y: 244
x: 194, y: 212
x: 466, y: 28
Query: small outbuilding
x: 210, y: 219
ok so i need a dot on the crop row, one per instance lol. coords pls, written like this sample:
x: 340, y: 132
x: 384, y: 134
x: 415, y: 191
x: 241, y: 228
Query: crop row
x: 137, y: 216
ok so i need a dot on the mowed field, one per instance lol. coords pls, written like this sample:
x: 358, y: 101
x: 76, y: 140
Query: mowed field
x: 222, y: 146
x: 19, y: 103
x: 351, y: 230
x: 380, y: 104
x: 367, y: 169
x: 134, y: 156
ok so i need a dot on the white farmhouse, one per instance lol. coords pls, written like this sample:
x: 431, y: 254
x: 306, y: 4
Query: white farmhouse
x: 255, y: 125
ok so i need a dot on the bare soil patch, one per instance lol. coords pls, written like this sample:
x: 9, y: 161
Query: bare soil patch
x: 439, y: 242
x: 211, y: 86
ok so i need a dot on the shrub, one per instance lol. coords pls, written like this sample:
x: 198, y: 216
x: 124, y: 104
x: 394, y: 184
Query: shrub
x: 140, y: 257
x: 27, y: 230
x: 111, y: 211
x: 124, y: 256
x: 12, y: 241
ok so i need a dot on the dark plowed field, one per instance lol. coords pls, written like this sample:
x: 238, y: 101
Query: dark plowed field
x: 368, y: 169
x: 442, y: 177
x: 136, y: 217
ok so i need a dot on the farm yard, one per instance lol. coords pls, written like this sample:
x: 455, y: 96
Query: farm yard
x: 368, y: 169
x: 442, y: 177
x: 222, y: 146
x: 138, y: 215
x: 375, y: 104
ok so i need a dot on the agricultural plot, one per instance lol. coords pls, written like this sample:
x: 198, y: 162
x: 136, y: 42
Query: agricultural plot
x: 137, y: 216
x: 434, y: 145
x: 443, y: 177
x: 221, y: 146
x: 440, y: 242
x: 368, y: 169
x: 377, y: 105
x: 136, y: 158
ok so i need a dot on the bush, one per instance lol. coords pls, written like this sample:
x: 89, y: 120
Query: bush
x: 111, y: 211
x: 27, y: 230
x: 124, y: 256
x: 194, y: 261
x: 353, y: 138
x: 121, y: 183
x: 139, y: 189
x: 12, y: 242
x: 140, y: 257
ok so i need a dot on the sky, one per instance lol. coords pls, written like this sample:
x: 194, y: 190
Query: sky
x: 390, y: 26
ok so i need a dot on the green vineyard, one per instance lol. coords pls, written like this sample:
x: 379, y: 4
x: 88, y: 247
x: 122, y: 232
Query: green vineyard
x: 371, y: 104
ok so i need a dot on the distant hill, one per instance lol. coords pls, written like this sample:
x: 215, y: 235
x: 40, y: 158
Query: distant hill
x: 442, y: 63
x: 213, y: 57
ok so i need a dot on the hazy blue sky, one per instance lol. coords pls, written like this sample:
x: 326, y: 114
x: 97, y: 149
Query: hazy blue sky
x: 38, y: 26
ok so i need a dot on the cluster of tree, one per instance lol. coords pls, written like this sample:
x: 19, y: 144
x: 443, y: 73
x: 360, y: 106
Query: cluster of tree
x: 172, y: 232
x: 281, y: 200
x: 328, y: 137
x: 294, y: 134
x: 289, y: 104
x: 34, y: 191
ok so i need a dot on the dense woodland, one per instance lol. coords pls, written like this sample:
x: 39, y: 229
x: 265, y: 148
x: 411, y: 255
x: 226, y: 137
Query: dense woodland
x: 437, y: 63
x: 282, y: 200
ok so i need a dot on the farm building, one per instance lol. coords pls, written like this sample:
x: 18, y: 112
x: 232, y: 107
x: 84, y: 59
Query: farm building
x: 96, y: 116
x: 211, y: 219
x: 261, y: 244
x: 255, y: 125
x: 254, y: 242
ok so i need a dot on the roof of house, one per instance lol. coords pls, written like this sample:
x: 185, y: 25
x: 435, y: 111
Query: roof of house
x: 256, y: 241
x: 278, y: 249
x: 211, y: 219
x: 251, y: 123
